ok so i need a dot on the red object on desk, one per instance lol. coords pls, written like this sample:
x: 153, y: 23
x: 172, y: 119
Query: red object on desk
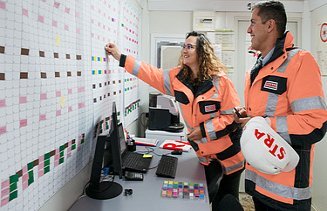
x: 175, y: 145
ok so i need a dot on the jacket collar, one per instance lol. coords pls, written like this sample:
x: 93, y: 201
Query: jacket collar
x: 197, y: 90
x: 281, y: 45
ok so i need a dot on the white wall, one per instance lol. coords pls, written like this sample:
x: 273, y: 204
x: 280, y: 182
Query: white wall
x: 319, y: 15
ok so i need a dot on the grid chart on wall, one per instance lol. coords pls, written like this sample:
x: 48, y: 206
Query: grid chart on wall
x: 56, y: 85
x: 129, y: 40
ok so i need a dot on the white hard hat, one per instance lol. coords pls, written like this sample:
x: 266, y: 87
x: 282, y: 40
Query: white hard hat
x: 266, y: 150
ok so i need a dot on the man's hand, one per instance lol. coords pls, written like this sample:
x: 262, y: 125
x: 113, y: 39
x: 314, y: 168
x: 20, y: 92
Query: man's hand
x: 112, y: 50
x: 240, y: 116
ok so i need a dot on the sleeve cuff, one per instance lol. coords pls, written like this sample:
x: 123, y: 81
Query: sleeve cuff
x: 122, y: 60
x: 203, y: 130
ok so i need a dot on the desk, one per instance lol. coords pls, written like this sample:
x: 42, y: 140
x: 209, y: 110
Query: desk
x: 146, y: 193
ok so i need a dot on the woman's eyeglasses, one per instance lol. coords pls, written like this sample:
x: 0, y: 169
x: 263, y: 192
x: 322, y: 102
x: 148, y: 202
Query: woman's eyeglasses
x: 188, y: 46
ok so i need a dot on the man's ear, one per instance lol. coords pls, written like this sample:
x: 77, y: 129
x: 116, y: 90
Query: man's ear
x: 271, y: 25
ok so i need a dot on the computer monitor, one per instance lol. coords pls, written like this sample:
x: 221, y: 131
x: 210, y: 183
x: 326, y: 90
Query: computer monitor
x: 98, y: 189
x: 117, y: 145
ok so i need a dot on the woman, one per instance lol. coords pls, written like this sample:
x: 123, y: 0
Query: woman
x: 207, y: 98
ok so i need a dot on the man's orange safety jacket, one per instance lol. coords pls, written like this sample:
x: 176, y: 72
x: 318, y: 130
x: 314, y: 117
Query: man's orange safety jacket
x: 208, y: 105
x: 288, y: 90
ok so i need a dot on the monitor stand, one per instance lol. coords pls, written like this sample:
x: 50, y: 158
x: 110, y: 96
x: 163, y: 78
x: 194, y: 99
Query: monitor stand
x: 104, y: 190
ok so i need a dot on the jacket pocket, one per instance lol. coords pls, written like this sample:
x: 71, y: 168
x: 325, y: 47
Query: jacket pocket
x: 181, y: 97
x: 274, y: 84
x: 207, y: 107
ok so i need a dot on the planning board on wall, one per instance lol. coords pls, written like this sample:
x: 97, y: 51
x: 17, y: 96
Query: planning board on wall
x: 56, y: 85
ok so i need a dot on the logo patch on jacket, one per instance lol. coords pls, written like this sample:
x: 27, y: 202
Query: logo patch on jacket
x: 274, y: 84
x: 271, y: 85
x: 207, y: 107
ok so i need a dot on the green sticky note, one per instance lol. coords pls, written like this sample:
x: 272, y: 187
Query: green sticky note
x: 30, y: 180
x: 47, y: 162
x: 13, y: 186
x: 13, y: 195
x: 47, y: 156
x: 30, y: 165
x: 13, y: 178
x: 61, y: 148
x: 46, y: 169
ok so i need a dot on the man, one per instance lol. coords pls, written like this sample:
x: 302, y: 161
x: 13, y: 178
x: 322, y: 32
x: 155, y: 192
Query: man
x: 284, y: 87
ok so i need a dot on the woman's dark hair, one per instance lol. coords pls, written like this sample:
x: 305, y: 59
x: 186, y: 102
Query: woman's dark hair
x: 210, y: 65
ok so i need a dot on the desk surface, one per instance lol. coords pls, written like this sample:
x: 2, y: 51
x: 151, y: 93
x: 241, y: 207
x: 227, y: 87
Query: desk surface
x: 146, y: 193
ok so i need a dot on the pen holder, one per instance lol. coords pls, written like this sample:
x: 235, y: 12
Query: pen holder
x: 131, y: 146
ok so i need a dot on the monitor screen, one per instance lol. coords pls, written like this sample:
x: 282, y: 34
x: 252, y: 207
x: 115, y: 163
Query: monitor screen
x: 122, y: 139
x: 117, y: 145
x: 98, y: 189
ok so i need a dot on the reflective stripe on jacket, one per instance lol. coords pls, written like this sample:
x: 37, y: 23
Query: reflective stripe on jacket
x: 209, y: 106
x: 288, y: 90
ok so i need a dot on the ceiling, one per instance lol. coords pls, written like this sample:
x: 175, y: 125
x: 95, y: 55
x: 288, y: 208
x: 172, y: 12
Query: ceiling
x: 215, y: 5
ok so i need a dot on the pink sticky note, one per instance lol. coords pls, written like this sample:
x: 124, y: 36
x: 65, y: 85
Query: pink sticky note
x: 58, y: 112
x: 40, y: 166
x: 2, y: 5
x: 5, y: 192
x: 81, y: 105
x: 23, y: 123
x: 24, y: 169
x: 41, y: 159
x: 3, y: 130
x: 40, y: 173
x: 66, y: 27
x: 54, y: 23
x: 25, y: 185
x: 2, y: 103
x: 43, y: 96
x: 58, y: 93
x: 42, y: 117
x: 56, y: 4
x: 25, y: 177
x: 41, y: 18
x: 4, y: 201
x: 25, y: 12
x: 81, y: 89
x: 70, y: 109
x: 67, y: 10
x: 22, y: 99
x: 5, y: 184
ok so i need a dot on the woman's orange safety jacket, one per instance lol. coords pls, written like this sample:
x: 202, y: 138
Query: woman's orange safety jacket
x: 288, y: 90
x: 210, y: 106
